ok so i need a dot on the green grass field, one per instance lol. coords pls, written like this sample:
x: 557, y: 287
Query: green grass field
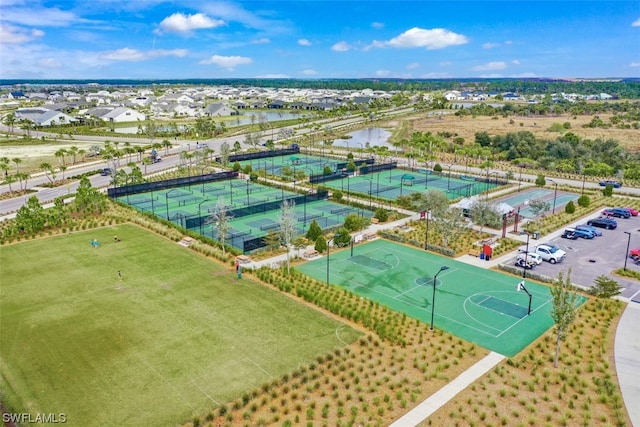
x: 176, y: 336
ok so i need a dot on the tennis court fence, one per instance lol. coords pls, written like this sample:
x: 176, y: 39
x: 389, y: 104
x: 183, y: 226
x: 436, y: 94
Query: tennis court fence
x: 169, y: 183
x: 293, y: 149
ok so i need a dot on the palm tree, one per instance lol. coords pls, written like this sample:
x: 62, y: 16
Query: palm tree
x: 22, y: 176
x: 17, y: 161
x: 10, y: 121
x: 63, y: 169
x: 166, y: 144
x: 73, y: 151
x: 60, y: 154
x: 46, y: 167
x: 10, y: 179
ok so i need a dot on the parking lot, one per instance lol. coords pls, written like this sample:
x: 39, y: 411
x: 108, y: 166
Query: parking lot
x: 589, y: 258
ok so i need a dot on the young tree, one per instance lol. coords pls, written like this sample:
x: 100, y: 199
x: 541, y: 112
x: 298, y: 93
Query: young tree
x: 314, y: 231
x: 355, y: 222
x: 321, y: 244
x: 605, y: 287
x: 539, y: 206
x: 608, y: 191
x: 31, y: 217
x: 342, y: 237
x: 288, y: 230
x: 221, y: 219
x: 570, y: 207
x: 225, y: 151
x: 564, y: 309
x: 434, y: 201
x: 540, y: 181
x: 484, y: 213
x: 272, y: 240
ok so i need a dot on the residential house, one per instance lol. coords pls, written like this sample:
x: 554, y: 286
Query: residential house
x: 123, y: 114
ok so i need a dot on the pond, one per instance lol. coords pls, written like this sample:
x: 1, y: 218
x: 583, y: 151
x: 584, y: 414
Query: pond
x: 364, y: 138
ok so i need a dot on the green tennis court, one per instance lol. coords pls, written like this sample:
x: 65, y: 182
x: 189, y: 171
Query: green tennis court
x: 478, y: 305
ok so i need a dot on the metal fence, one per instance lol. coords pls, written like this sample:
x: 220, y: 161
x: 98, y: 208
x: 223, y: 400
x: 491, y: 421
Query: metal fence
x: 261, y: 154
x: 128, y: 190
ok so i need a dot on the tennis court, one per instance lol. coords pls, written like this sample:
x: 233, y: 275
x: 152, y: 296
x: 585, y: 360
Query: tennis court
x: 520, y: 201
x: 389, y: 185
x: 478, y: 305
x: 255, y: 209
x: 311, y: 165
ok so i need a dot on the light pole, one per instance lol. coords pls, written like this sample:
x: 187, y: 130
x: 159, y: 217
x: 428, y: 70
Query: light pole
x: 328, y: 246
x: 370, y: 190
x: 166, y: 197
x: 433, y: 298
x: 427, y: 214
x: 449, y: 176
x: 526, y: 258
x: 310, y: 174
x: 200, y: 214
x: 626, y: 255
x: 555, y: 194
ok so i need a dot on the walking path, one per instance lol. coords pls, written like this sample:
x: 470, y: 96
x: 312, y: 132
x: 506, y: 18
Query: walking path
x: 627, y: 359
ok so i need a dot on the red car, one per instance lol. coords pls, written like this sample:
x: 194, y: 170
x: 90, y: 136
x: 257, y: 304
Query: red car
x: 635, y: 254
x: 634, y: 212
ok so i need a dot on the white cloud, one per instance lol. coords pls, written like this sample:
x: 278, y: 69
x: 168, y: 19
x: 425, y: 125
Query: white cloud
x: 181, y: 23
x: 490, y: 45
x: 437, y: 38
x: 490, y: 66
x: 377, y: 25
x: 434, y: 75
x: 634, y: 64
x: 229, y: 12
x: 40, y: 17
x: 383, y: 73
x: 304, y: 42
x: 445, y: 63
x: 263, y: 40
x: 341, y: 47
x: 309, y: 72
x: 515, y: 62
x: 413, y: 66
x: 135, y: 55
x: 508, y: 42
x: 15, y: 35
x: 228, y: 62
x: 636, y: 23
x: 49, y: 63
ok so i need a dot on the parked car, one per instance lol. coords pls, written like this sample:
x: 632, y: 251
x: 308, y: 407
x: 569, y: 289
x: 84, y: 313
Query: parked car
x: 585, y: 234
x: 550, y: 253
x: 635, y: 254
x: 608, y: 223
x: 590, y: 228
x: 611, y: 182
x: 634, y: 212
x: 569, y: 233
x: 105, y: 172
x: 616, y: 212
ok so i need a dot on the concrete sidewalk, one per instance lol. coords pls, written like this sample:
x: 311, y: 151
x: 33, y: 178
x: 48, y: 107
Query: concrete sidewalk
x: 627, y: 359
x: 448, y: 392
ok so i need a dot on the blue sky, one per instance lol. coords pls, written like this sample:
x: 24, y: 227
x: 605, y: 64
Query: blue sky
x: 140, y: 39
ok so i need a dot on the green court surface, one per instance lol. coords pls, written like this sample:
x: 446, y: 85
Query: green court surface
x: 311, y: 165
x: 255, y: 208
x: 478, y: 305
x: 390, y: 185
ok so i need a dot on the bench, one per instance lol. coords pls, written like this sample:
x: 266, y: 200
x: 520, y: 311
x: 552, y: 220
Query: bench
x: 310, y: 254
x: 475, y: 252
x: 243, y: 259
x: 374, y: 220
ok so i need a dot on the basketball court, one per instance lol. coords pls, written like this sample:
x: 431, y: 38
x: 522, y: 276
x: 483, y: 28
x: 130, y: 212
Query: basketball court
x: 481, y: 306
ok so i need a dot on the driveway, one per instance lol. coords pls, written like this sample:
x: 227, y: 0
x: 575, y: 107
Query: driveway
x: 588, y: 259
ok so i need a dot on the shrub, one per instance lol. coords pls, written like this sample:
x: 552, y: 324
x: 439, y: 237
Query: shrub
x: 337, y: 195
x: 570, y: 207
x: 314, y: 231
x: 321, y: 244
x: 584, y: 201
x: 608, y: 191
x: 381, y: 215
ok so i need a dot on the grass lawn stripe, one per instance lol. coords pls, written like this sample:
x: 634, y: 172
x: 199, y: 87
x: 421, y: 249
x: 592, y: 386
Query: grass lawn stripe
x: 176, y: 335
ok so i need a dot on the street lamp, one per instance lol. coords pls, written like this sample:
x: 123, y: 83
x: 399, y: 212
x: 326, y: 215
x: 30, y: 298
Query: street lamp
x: 433, y: 298
x: 200, y: 214
x: 328, y: 246
x: 427, y: 214
x: 449, y: 177
x: 166, y: 197
x: 555, y: 194
x: 310, y: 174
x: 626, y: 255
x: 526, y: 257
x: 370, y: 190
